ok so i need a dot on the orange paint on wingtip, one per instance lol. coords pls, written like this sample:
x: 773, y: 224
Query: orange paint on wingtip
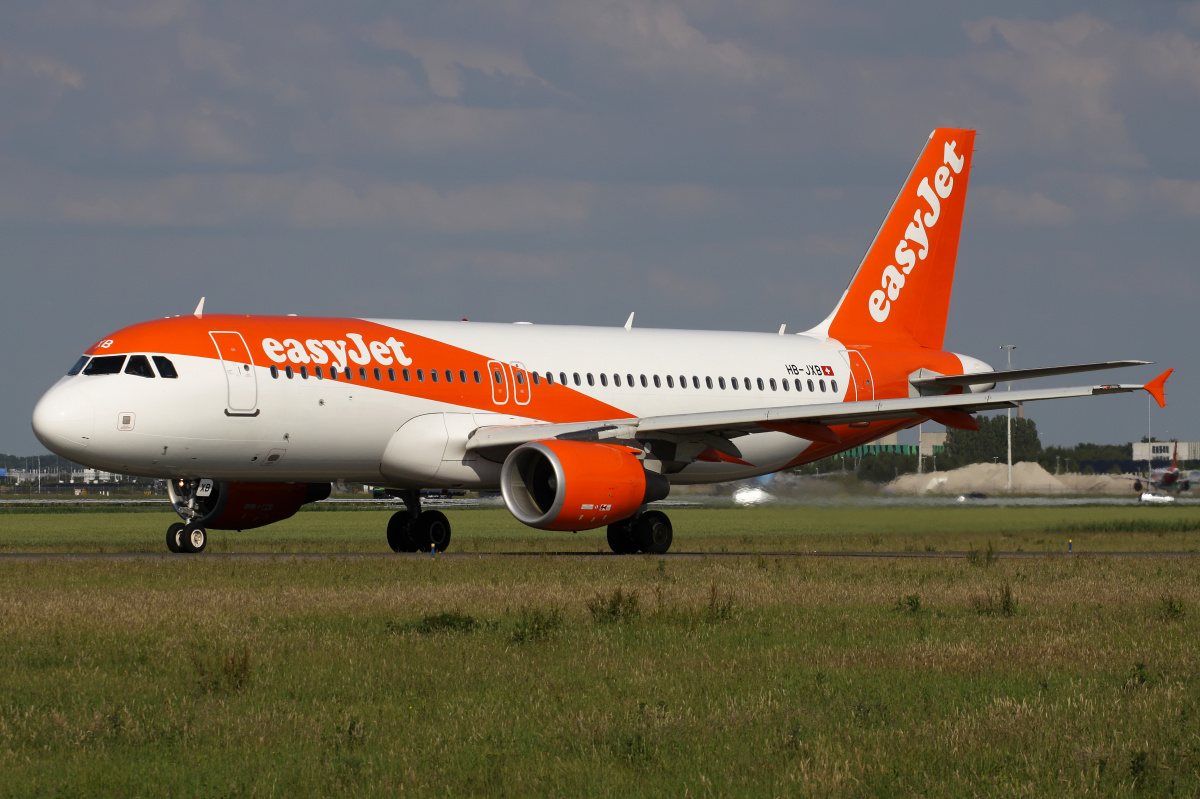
x: 1158, y: 388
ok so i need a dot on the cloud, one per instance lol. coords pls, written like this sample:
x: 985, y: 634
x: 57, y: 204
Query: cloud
x: 1023, y: 209
x: 443, y: 61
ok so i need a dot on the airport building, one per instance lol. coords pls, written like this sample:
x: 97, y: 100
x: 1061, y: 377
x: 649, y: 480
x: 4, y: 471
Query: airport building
x: 1165, y: 450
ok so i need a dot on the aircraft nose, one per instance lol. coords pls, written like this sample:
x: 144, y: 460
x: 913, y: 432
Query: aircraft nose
x: 64, y: 420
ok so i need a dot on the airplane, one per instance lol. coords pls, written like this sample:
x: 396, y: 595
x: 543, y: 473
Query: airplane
x: 1167, y: 477
x: 251, y: 417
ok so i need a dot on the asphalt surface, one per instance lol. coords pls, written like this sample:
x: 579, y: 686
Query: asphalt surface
x: 314, y: 556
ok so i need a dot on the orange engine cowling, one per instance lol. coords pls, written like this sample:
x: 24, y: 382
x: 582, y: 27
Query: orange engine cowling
x: 576, y: 485
x: 244, y: 506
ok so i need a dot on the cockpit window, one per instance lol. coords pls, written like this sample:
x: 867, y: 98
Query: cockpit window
x: 105, y: 365
x: 78, y: 367
x: 165, y: 367
x: 139, y: 365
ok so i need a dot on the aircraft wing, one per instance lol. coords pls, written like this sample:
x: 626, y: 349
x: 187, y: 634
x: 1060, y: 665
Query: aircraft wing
x: 1004, y: 376
x: 716, y: 429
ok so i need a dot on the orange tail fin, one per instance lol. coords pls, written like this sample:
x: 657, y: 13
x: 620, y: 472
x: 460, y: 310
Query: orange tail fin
x: 900, y: 295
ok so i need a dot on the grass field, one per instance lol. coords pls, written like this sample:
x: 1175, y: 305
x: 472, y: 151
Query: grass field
x: 617, y: 676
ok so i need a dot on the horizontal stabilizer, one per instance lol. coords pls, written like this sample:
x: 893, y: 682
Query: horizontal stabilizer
x: 980, y: 378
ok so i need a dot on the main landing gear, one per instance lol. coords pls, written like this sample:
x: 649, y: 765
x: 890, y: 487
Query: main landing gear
x: 411, y: 530
x: 650, y: 533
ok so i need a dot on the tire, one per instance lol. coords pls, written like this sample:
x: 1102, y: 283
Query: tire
x: 398, y: 537
x: 431, y: 528
x: 653, y: 533
x: 193, y: 539
x: 175, y: 537
x: 620, y: 537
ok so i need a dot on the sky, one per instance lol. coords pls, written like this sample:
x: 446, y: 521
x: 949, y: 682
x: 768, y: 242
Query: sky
x: 706, y: 164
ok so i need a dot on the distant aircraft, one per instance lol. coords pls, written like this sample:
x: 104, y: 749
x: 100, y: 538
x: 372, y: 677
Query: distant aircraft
x: 250, y: 417
x: 1168, y: 477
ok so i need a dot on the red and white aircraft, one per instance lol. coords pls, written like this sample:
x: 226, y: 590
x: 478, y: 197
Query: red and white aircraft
x: 250, y: 417
x: 1167, y: 477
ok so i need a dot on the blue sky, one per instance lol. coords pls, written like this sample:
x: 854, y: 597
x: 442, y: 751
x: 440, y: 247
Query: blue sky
x: 708, y: 165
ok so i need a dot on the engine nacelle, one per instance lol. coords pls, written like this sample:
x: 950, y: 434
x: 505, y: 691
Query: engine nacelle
x: 244, y: 506
x: 576, y: 485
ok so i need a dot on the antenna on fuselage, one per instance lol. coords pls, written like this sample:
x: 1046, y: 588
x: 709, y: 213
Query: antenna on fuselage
x: 199, y: 312
x: 629, y: 321
x: 782, y: 328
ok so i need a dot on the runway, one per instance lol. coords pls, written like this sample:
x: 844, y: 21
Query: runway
x: 14, y: 557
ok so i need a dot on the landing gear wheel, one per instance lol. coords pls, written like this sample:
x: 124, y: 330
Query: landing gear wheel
x: 652, y: 532
x: 175, y: 537
x: 620, y: 537
x: 398, y: 532
x: 193, y: 538
x: 431, y: 528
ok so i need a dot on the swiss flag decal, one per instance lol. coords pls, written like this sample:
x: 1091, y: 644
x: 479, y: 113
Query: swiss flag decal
x: 827, y: 370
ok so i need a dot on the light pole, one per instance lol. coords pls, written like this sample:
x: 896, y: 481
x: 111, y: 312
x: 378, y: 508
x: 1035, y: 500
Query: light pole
x: 1010, y: 348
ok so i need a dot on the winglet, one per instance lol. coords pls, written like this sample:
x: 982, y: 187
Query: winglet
x: 629, y: 321
x: 1158, y: 388
x: 199, y: 312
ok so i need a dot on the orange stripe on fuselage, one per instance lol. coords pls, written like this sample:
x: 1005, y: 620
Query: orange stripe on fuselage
x: 187, y: 335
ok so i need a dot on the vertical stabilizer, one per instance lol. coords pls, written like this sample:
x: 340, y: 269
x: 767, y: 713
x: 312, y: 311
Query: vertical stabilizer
x: 900, y: 294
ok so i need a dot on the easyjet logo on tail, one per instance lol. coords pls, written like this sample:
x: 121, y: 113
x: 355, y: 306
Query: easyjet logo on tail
x: 915, y: 244
x: 322, y: 351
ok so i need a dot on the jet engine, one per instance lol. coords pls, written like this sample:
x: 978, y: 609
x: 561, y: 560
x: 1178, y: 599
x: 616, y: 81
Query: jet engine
x: 576, y: 485
x: 244, y: 506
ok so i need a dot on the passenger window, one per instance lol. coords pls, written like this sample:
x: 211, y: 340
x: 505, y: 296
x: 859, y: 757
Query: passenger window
x: 105, y: 365
x: 833, y: 386
x: 733, y: 381
x: 708, y: 382
x: 420, y: 375
x: 670, y: 381
x: 499, y: 378
x: 478, y: 377
x: 695, y: 382
x: 811, y: 387
x: 721, y: 382
x: 591, y: 382
x: 617, y: 380
x: 747, y: 382
x: 462, y: 375
x: 549, y: 378
x: 562, y: 378
x: 139, y: 365
x: 644, y: 383
x: 275, y: 372
x: 391, y: 374
x: 378, y: 375
x: 629, y: 380
x: 603, y: 379
x: 304, y: 372
x: 78, y: 367
x: 537, y: 381
x: 761, y: 387
x: 786, y: 385
x: 288, y: 371
x: 657, y: 382
x: 319, y: 372
x: 521, y: 377
x: 449, y: 375
x: 407, y: 375
x: 799, y: 385
x: 332, y: 372
x: 822, y: 386
x: 576, y: 377
x: 433, y: 375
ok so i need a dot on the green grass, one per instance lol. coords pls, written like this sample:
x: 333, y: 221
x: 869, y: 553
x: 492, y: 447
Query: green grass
x: 1028, y: 529
x: 618, y: 676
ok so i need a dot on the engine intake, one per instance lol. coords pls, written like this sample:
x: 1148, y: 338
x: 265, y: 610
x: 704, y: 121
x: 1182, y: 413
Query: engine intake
x: 244, y: 506
x: 576, y: 485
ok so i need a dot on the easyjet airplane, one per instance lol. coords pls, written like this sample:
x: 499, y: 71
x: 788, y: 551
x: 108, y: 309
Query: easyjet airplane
x: 250, y: 417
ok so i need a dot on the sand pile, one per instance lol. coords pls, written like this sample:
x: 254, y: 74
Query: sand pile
x: 992, y: 478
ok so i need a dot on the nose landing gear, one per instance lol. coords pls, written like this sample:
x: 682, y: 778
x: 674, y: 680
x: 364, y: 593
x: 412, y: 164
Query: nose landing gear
x: 188, y: 536
x: 411, y: 530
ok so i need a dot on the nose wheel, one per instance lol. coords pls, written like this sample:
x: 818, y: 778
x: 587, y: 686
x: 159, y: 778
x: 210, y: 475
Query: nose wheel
x: 412, y: 530
x: 186, y: 538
